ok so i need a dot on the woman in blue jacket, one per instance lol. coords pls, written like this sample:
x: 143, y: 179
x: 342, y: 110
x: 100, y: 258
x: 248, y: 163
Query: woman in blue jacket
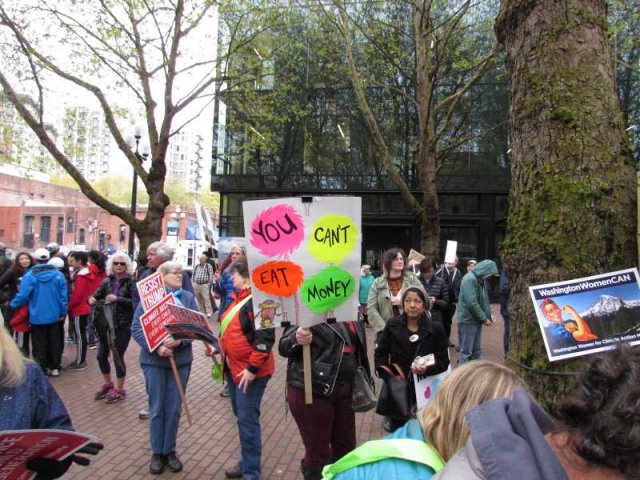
x: 440, y: 424
x: 28, y: 401
x: 162, y: 391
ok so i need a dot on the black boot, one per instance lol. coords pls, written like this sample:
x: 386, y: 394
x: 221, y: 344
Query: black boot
x: 156, y: 467
x: 310, y: 473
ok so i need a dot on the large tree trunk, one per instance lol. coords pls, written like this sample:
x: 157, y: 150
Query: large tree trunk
x: 572, y: 204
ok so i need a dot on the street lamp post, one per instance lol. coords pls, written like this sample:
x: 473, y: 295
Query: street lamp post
x: 134, y: 188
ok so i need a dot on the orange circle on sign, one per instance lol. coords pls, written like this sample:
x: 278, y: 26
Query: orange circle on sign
x: 279, y: 278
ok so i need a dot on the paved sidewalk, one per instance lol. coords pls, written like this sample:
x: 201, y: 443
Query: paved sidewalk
x: 211, y: 443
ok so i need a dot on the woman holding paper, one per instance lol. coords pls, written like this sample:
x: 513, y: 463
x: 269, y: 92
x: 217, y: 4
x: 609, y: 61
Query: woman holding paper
x: 117, y: 290
x: 29, y: 402
x: 249, y: 365
x: 162, y: 391
x: 413, y: 342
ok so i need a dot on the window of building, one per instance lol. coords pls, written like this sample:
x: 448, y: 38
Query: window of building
x: 81, y: 235
x: 28, y: 233
x: 45, y: 229
x: 70, y: 223
x: 60, y: 231
x: 459, y: 204
x: 467, y: 238
x: 28, y: 223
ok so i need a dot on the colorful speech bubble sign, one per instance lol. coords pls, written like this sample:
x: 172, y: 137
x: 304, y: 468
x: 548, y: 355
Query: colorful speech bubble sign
x: 280, y: 278
x: 333, y: 237
x: 327, y: 289
x: 277, y: 231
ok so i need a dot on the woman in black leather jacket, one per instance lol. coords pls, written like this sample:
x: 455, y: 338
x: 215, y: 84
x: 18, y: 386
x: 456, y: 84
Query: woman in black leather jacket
x: 327, y: 426
x: 116, y: 289
x: 408, y: 336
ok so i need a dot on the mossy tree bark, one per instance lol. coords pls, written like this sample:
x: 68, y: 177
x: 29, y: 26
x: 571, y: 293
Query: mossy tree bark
x: 572, y: 199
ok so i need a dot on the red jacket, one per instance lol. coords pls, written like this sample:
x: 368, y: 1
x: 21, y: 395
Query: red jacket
x: 20, y: 319
x: 244, y: 346
x: 86, y: 282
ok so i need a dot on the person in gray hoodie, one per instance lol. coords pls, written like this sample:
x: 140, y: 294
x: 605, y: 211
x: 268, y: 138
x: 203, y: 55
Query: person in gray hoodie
x: 593, y: 434
x: 474, y: 310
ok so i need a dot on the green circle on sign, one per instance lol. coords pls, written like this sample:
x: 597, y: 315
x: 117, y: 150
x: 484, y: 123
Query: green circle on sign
x: 327, y: 289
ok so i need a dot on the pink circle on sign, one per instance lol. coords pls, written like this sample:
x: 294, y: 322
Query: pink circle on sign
x: 277, y: 231
x: 427, y: 393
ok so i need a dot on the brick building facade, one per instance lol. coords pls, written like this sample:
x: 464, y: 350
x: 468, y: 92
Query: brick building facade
x: 33, y: 214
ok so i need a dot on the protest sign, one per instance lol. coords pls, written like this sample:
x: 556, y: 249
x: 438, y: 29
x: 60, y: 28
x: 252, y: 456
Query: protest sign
x: 588, y: 315
x: 304, y: 258
x: 151, y: 291
x: 17, y: 447
x: 450, y: 252
x: 153, y: 322
x: 190, y: 325
x: 427, y: 386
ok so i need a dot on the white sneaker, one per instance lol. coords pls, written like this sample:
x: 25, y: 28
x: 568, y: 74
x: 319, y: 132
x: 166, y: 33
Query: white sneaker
x: 55, y: 372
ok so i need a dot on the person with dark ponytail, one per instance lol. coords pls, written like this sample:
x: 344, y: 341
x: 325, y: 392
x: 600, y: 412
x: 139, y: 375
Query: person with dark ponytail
x: 18, y: 320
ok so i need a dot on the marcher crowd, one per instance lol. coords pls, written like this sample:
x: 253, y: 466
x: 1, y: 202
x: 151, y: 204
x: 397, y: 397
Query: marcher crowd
x: 481, y: 424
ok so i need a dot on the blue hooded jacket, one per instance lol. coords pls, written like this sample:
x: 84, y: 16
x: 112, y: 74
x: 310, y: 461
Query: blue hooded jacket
x: 394, y: 468
x: 45, y: 288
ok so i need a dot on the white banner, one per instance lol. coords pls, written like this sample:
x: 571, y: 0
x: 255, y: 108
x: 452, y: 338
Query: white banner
x: 304, y: 259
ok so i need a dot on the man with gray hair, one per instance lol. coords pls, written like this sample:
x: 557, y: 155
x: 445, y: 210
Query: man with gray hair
x: 157, y: 254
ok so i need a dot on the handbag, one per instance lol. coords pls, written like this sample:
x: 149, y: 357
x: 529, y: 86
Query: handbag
x: 395, y: 394
x: 363, y: 396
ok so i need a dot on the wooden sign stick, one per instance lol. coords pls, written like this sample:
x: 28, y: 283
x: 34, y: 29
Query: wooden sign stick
x: 180, y: 389
x: 306, y: 365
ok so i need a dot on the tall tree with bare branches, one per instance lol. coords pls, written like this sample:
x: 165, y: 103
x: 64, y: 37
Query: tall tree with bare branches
x: 151, y: 59
x: 436, y: 79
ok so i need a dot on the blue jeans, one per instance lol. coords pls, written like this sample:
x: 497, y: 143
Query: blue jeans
x: 246, y: 408
x: 164, y: 406
x: 470, y: 335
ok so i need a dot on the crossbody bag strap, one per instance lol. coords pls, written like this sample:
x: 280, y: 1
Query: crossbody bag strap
x: 375, y: 450
x: 232, y: 312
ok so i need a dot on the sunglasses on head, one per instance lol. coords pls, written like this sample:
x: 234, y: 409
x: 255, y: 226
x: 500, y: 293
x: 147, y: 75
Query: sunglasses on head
x: 122, y: 264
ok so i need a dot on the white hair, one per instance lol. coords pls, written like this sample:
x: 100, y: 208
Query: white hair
x: 122, y: 256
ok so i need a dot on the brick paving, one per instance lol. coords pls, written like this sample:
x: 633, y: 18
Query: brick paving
x: 211, y: 443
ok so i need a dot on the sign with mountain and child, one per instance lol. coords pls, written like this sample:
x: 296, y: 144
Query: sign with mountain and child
x: 588, y: 315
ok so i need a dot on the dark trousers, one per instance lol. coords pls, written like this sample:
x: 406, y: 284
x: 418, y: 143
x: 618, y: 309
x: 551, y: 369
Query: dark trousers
x: 123, y: 335
x: 327, y: 426
x: 80, y: 327
x: 447, y: 317
x: 45, y: 343
x: 22, y: 340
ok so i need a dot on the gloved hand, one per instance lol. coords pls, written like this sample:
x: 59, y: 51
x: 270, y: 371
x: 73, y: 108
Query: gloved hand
x: 48, y: 468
